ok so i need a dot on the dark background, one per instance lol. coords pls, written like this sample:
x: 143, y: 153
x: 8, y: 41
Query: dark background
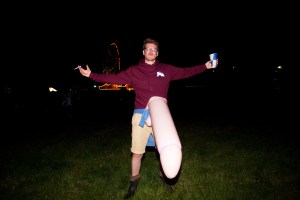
x: 42, y: 46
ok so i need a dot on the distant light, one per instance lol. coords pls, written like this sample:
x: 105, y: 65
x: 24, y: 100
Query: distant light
x: 279, y: 68
x: 51, y: 89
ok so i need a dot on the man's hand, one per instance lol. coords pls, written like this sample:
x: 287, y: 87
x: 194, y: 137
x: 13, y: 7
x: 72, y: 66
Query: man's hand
x: 208, y: 64
x: 85, y: 72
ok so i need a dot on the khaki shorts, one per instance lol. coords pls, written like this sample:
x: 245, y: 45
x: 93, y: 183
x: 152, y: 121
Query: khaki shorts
x: 139, y: 135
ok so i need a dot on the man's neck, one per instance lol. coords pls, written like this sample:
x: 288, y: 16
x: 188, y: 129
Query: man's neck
x: 149, y: 62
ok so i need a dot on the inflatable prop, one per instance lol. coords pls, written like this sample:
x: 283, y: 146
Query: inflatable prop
x: 166, y: 137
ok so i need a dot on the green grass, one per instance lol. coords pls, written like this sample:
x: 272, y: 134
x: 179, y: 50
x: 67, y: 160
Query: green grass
x: 92, y: 161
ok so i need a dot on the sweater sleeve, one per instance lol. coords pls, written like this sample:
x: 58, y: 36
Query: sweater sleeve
x: 181, y: 73
x: 122, y: 77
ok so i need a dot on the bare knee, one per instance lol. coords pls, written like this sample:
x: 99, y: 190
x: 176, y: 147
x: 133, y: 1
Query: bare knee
x: 137, y: 156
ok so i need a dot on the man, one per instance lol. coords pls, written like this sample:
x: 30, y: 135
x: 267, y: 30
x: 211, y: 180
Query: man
x: 149, y: 78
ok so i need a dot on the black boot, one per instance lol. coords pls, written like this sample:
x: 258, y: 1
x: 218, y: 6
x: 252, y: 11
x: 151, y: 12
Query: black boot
x: 166, y: 182
x: 133, y: 185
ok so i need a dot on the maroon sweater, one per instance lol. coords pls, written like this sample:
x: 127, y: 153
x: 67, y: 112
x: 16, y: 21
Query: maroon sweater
x: 148, y: 80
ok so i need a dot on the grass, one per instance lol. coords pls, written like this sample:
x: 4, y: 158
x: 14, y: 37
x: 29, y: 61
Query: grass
x: 91, y: 160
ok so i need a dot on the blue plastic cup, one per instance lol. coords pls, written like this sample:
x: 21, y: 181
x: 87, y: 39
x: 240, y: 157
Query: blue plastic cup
x: 213, y: 58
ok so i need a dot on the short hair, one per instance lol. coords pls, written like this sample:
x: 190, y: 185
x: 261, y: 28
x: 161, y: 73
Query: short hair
x: 151, y: 41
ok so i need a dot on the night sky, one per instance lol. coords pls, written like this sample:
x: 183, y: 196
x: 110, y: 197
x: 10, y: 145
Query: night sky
x: 51, y: 41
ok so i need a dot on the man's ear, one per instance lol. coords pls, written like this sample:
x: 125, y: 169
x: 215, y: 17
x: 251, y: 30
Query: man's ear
x: 157, y: 53
x: 143, y: 52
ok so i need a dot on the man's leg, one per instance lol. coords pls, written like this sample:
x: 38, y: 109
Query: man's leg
x: 136, y: 162
x: 139, y: 138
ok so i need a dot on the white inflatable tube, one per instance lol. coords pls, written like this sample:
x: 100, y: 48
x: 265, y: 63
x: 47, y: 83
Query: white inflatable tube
x: 166, y: 137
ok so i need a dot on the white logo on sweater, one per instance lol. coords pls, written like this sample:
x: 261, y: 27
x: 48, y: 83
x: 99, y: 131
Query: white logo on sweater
x: 160, y: 74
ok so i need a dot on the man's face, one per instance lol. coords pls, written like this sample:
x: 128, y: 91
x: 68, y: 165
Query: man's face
x: 150, y: 52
